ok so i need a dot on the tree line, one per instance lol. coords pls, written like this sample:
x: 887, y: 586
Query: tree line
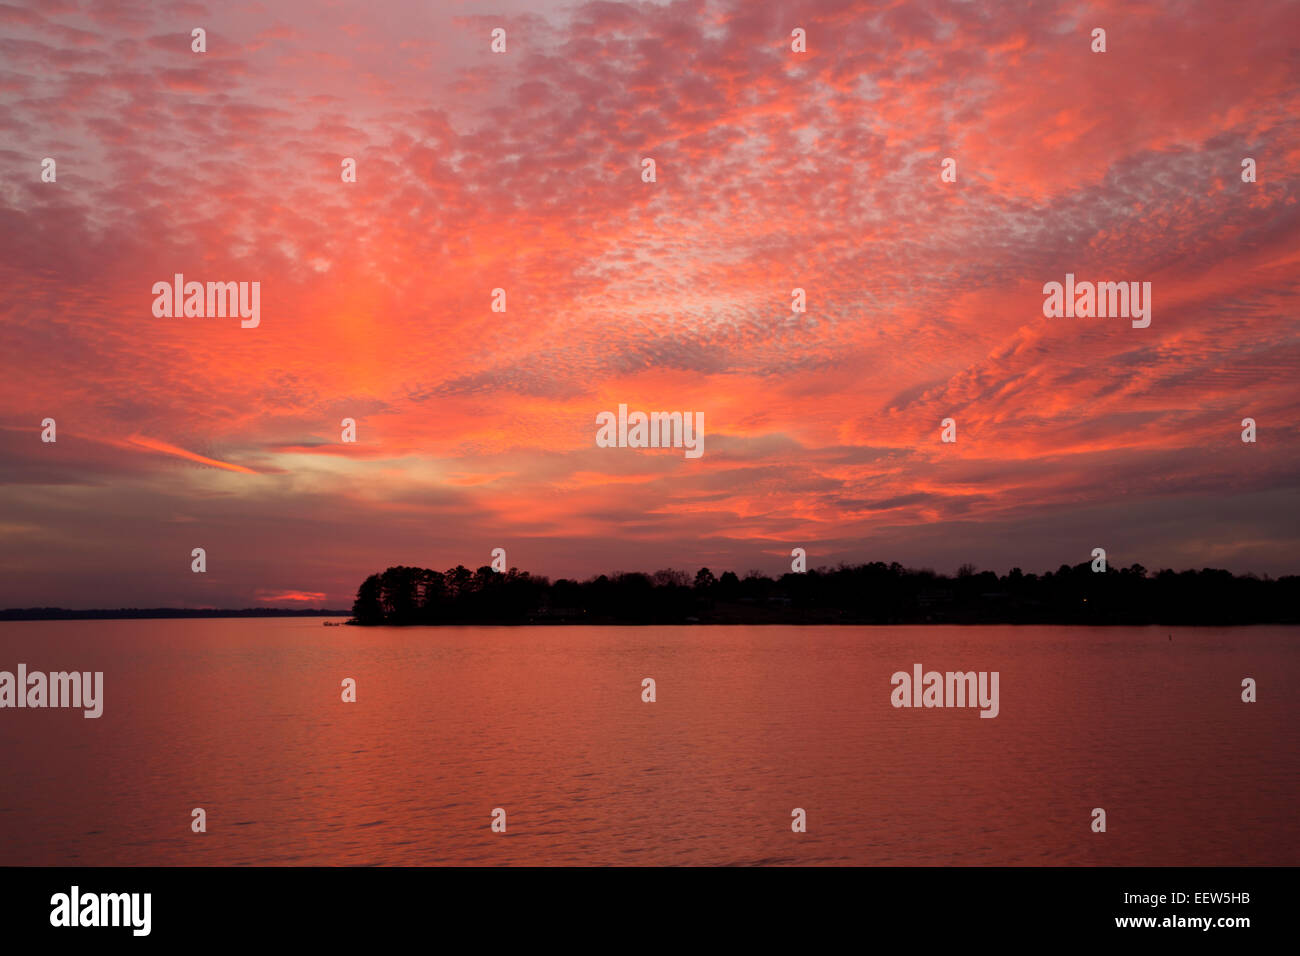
x: 874, y: 593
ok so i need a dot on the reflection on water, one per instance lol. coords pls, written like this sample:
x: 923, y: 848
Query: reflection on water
x: 244, y: 719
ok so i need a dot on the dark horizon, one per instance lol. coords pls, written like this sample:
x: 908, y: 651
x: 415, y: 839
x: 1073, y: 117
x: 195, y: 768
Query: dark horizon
x: 874, y: 593
x: 670, y: 577
x: 151, y: 613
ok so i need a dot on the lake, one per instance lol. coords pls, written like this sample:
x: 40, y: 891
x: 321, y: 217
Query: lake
x: 244, y: 718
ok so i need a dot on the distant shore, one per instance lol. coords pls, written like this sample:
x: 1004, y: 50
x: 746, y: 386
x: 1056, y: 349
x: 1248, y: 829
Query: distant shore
x: 1088, y: 594
x: 721, y: 617
x: 135, y: 613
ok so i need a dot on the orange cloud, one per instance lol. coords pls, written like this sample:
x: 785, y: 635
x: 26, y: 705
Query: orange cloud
x: 153, y: 444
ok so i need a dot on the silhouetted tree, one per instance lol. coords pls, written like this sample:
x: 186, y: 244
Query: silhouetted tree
x: 873, y: 593
x: 366, y: 609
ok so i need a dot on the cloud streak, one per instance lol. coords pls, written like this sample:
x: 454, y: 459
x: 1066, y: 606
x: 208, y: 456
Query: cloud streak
x: 153, y: 444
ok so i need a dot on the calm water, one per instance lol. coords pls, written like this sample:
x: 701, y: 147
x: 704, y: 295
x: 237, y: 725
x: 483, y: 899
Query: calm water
x: 244, y: 719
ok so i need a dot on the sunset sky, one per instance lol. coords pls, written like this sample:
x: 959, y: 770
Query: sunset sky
x: 522, y: 171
